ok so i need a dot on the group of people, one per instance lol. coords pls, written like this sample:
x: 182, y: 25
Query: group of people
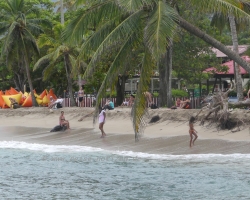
x: 185, y: 104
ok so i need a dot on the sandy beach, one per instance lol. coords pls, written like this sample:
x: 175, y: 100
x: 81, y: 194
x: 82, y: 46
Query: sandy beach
x: 167, y: 136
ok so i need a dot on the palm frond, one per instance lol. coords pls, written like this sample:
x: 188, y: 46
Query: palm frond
x: 97, y: 38
x: 134, y: 5
x: 89, y: 19
x: 30, y: 38
x: 117, y: 67
x: 160, y: 29
x: 45, y: 40
x: 122, y: 31
x: 139, y: 109
x: 45, y: 60
x: 225, y: 7
x: 47, y: 72
x: 10, y: 38
x: 219, y: 21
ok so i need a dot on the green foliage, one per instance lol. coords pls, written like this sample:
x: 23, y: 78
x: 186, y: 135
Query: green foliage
x: 179, y: 93
x: 155, y: 94
x: 111, y: 94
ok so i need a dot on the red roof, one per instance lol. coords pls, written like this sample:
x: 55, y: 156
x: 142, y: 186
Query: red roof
x: 219, y: 54
x: 230, y: 66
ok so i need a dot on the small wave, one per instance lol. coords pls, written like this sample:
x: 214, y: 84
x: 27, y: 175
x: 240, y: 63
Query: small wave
x: 197, y: 157
x: 131, y: 154
x: 46, y: 148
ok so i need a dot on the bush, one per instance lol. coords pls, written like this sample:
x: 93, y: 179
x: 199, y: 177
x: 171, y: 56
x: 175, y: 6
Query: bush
x: 232, y: 94
x: 113, y: 94
x: 155, y: 94
x: 179, y: 93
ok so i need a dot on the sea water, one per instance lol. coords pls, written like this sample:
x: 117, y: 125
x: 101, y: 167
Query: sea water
x: 37, y: 171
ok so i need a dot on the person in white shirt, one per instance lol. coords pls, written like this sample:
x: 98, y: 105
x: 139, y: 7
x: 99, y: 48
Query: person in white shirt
x: 102, y: 117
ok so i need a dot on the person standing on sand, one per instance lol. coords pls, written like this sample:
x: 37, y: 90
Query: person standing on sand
x: 148, y: 95
x: 102, y: 117
x: 80, y: 97
x: 63, y: 121
x: 192, y: 131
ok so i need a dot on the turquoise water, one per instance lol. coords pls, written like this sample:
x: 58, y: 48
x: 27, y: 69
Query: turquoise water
x: 32, y: 171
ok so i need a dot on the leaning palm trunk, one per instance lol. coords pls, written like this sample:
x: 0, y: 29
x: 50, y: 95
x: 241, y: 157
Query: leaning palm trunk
x: 210, y: 40
x: 237, y: 74
x: 68, y: 68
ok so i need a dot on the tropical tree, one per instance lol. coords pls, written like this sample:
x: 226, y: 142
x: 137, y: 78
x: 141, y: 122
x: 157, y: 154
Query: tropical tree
x: 220, y: 21
x: 132, y: 24
x: 58, y: 52
x: 18, y: 29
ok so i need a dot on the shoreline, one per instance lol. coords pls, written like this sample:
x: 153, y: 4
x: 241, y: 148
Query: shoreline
x: 168, y: 136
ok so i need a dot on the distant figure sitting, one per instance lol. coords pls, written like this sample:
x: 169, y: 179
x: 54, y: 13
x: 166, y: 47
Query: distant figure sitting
x: 13, y: 103
x: 125, y: 102
x: 58, y: 102
x: 52, y: 102
x: 63, y: 121
x: 177, y: 104
x: 185, y: 104
x: 109, y: 105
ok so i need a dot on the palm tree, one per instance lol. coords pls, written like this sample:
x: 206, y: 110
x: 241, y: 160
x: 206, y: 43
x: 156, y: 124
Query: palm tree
x: 220, y: 21
x: 18, y: 29
x: 133, y: 24
x: 58, y: 53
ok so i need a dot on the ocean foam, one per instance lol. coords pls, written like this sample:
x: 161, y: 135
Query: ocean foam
x: 131, y: 154
x: 197, y: 157
x: 46, y: 148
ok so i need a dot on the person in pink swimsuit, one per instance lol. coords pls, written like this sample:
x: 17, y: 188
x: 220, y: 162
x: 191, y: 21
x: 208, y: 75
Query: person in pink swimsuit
x: 102, y: 117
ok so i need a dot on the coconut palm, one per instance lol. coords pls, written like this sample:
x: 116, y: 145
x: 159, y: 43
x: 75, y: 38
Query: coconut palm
x: 58, y: 53
x: 220, y: 21
x: 18, y: 29
x: 133, y: 24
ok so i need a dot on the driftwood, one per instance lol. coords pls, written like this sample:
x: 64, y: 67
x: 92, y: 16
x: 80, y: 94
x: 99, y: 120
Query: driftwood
x: 216, y: 110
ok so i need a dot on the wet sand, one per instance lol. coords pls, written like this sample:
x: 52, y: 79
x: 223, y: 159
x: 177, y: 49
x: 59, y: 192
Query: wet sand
x: 169, y: 136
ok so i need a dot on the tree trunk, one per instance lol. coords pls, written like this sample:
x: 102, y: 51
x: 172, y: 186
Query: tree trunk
x: 169, y: 74
x: 163, y: 81
x: 165, y: 76
x: 120, y: 89
x: 210, y: 40
x: 237, y: 73
x: 68, y: 68
x: 34, y: 103
x: 61, y: 11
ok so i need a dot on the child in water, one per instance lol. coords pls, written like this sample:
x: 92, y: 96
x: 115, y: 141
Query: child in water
x: 192, y: 131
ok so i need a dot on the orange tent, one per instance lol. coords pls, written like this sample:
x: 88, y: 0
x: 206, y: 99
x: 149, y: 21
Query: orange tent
x: 51, y: 93
x: 7, y: 92
x: 13, y: 91
x: 27, y: 102
x: 2, y: 103
x: 44, y: 93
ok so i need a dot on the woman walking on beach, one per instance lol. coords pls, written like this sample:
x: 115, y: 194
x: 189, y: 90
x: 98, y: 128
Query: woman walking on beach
x: 192, y: 131
x: 102, y: 117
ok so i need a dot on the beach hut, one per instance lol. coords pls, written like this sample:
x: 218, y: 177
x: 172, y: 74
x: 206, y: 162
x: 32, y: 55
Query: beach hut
x: 228, y: 75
